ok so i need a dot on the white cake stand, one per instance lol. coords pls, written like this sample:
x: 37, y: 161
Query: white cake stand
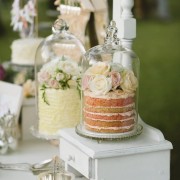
x: 82, y: 131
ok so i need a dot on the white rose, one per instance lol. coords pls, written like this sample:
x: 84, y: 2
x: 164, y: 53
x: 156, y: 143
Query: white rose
x: 69, y: 67
x: 100, y: 85
x: 50, y: 67
x: 100, y: 68
x: 129, y: 81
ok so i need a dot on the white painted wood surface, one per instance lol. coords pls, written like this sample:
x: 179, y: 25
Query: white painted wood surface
x: 146, y: 156
x: 126, y: 24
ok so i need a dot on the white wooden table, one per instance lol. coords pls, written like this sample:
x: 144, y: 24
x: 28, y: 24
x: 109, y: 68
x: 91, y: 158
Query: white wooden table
x: 145, y: 157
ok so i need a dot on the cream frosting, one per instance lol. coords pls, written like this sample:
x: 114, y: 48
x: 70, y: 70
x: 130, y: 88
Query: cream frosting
x: 112, y: 128
x: 115, y: 120
x: 111, y: 107
x: 118, y: 94
x: 63, y: 110
x: 24, y: 50
x: 128, y: 113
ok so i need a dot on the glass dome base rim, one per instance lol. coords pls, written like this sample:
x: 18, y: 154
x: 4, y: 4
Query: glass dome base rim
x: 34, y: 131
x: 80, y: 130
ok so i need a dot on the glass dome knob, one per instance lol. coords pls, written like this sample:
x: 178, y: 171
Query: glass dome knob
x: 111, y: 34
x: 59, y: 25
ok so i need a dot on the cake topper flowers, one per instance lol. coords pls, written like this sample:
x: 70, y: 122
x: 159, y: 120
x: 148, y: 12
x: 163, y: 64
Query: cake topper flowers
x: 61, y: 73
x: 102, y: 78
x: 22, y: 19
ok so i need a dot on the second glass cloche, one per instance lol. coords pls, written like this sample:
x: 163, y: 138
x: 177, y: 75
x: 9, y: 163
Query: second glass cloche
x: 58, y: 77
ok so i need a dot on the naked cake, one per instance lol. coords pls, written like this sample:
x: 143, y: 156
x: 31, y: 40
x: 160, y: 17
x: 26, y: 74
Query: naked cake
x: 109, y: 99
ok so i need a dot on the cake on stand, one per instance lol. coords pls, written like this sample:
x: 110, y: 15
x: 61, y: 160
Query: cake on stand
x: 146, y: 156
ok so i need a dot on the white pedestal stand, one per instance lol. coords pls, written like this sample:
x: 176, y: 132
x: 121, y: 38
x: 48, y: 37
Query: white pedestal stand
x: 145, y: 157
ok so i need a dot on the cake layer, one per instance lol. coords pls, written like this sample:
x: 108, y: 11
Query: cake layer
x: 100, y: 109
x: 63, y: 110
x: 91, y: 101
x: 119, y: 123
x: 109, y: 116
x: 109, y: 129
x: 24, y: 50
x: 113, y: 112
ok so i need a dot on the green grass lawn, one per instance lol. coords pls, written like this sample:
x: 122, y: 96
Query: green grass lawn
x: 158, y: 47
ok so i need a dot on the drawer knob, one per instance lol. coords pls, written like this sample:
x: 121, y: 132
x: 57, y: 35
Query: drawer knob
x: 71, y: 158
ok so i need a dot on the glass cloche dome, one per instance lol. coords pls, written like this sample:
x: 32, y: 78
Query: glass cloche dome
x: 58, y: 79
x: 110, y: 76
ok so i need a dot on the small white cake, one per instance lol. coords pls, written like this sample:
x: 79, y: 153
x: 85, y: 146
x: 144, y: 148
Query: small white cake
x: 63, y: 110
x: 58, y: 95
x: 24, y: 50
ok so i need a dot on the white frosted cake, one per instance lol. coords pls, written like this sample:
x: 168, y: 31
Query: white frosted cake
x: 58, y: 95
x: 24, y: 50
x: 63, y: 110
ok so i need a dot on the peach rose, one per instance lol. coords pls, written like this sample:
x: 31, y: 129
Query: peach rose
x: 29, y: 88
x: 129, y: 81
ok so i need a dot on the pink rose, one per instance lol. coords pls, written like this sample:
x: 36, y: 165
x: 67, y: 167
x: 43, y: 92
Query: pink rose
x: 53, y: 83
x: 116, y: 78
x: 85, y: 82
x: 43, y: 76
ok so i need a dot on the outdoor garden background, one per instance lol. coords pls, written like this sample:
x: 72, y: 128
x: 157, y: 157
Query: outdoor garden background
x: 158, y: 47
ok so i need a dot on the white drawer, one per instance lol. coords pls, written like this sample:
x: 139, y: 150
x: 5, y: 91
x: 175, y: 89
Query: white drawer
x: 75, y: 158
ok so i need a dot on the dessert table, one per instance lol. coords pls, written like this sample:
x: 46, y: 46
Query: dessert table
x: 146, y: 156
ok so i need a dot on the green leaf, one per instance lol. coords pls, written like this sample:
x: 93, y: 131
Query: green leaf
x: 44, y: 96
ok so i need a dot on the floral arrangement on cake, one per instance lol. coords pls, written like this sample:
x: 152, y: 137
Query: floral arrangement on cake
x: 22, y: 19
x: 61, y: 73
x: 102, y: 78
